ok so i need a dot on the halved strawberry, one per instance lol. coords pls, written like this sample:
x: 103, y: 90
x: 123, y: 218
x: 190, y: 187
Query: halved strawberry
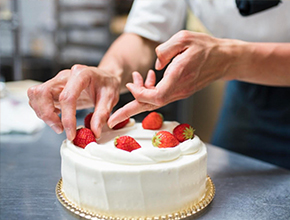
x: 87, y: 120
x: 153, y: 121
x: 183, y: 132
x: 164, y: 139
x: 126, y: 143
x: 84, y: 136
x: 121, y: 124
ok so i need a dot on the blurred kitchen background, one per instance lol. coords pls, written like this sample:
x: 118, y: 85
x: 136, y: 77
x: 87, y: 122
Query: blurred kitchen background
x: 38, y: 38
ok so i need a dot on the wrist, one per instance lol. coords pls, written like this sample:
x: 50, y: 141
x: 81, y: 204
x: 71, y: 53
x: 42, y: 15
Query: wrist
x: 237, y: 55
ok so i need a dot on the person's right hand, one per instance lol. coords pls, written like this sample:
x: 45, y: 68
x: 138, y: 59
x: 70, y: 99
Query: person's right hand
x: 193, y: 60
x: 76, y: 88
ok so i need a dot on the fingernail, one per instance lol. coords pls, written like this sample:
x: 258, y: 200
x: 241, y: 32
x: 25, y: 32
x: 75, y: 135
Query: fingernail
x: 98, y: 133
x: 69, y: 134
x: 110, y: 126
x: 57, y: 129
x: 157, y: 64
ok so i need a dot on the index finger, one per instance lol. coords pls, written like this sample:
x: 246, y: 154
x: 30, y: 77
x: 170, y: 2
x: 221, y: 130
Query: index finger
x: 169, y: 49
x: 130, y: 109
x: 42, y: 102
x: 68, y: 102
x: 156, y: 96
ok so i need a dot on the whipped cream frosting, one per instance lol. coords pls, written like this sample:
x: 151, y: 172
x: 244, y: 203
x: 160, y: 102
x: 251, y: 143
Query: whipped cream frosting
x: 105, y: 149
x: 146, y: 182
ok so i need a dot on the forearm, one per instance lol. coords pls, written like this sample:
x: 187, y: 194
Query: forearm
x: 129, y: 53
x: 261, y: 63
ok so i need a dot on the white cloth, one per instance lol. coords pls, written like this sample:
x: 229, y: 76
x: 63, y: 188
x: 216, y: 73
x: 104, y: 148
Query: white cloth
x: 159, y: 20
x: 152, y: 19
x: 18, y: 117
x: 15, y: 113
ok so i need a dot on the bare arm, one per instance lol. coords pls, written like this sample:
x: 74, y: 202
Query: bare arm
x: 199, y: 59
x: 129, y: 53
x: 260, y: 63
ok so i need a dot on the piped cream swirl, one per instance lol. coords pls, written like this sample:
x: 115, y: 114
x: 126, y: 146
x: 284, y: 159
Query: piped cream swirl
x: 105, y: 150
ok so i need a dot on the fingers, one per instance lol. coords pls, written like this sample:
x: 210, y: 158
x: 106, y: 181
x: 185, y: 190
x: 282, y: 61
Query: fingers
x: 128, y: 110
x: 106, y: 100
x: 146, y: 99
x: 41, y: 100
x: 96, y: 87
x: 68, y: 117
x: 77, y: 88
x: 137, y: 78
x: 68, y: 99
x: 143, y: 92
x: 169, y: 49
x: 160, y: 95
x: 137, y: 106
x: 150, y: 79
x: 55, y: 122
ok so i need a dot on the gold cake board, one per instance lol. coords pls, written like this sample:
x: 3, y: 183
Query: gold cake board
x: 193, y: 210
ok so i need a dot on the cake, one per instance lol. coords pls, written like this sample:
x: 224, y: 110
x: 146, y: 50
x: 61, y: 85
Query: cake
x: 146, y: 182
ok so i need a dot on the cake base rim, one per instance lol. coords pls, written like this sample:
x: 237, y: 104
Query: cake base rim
x: 183, y: 213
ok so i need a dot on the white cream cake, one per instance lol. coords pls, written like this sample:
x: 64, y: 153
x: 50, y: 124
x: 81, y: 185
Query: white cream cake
x: 146, y: 182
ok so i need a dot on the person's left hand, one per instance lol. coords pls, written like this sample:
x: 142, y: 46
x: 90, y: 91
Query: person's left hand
x: 197, y: 60
x: 76, y: 88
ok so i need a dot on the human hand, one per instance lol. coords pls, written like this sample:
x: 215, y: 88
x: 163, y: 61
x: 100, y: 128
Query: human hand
x: 76, y: 88
x: 197, y: 60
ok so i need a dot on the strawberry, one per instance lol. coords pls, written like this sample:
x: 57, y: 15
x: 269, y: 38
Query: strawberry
x: 164, y: 139
x: 87, y: 120
x: 83, y: 137
x: 153, y: 121
x: 121, y: 124
x: 126, y: 143
x: 183, y: 132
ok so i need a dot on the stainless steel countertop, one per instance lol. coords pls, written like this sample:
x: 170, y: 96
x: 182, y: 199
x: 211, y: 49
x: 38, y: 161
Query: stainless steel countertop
x: 30, y: 169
